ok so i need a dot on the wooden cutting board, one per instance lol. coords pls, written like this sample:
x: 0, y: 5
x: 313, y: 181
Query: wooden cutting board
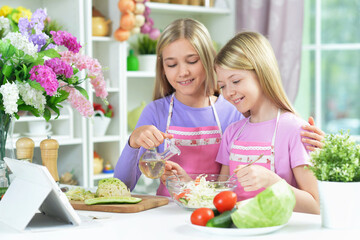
x: 147, y: 202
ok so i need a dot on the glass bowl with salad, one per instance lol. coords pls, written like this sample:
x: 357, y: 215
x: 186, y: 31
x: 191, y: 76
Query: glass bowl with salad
x: 194, y: 191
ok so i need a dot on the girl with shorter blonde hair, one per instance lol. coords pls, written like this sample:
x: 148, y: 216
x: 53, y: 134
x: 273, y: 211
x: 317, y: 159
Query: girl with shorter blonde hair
x: 249, y: 78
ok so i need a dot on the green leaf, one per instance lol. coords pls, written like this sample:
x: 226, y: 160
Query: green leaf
x: 82, y: 91
x: 35, y: 85
x: 47, y: 114
x: 60, y: 97
x: 55, y: 109
x: 37, y: 62
x: 7, y: 70
x: 31, y: 109
x: 51, y: 53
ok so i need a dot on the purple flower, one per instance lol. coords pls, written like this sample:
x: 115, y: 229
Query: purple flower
x: 24, y: 27
x: 46, y: 77
x: 59, y: 67
x: 39, y: 40
x: 66, y: 39
x: 37, y: 20
x: 37, y: 23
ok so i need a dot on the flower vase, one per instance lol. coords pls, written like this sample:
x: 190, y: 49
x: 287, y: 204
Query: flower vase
x: 5, y: 135
x: 101, y: 124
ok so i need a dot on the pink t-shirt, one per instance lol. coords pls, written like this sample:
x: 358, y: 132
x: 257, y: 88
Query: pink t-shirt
x: 290, y: 151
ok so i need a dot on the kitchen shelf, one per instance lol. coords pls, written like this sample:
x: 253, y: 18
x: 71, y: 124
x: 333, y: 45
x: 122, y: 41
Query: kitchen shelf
x: 140, y: 74
x: 106, y: 138
x: 102, y: 39
x: 62, y: 140
x: 33, y: 118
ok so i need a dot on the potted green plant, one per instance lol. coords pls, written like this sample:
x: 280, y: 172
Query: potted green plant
x: 337, y: 168
x: 146, y: 49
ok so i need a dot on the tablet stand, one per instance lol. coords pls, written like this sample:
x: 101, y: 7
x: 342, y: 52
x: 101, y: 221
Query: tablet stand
x: 33, y: 189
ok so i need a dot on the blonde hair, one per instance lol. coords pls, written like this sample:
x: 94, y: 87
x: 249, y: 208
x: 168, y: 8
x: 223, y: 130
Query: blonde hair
x: 199, y: 37
x: 252, y: 51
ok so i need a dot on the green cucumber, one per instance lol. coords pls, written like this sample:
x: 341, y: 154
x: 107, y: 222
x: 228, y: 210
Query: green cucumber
x: 221, y: 221
x: 216, y: 212
x: 106, y: 200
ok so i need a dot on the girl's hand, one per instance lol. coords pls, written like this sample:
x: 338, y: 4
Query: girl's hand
x: 313, y: 136
x: 254, y: 177
x: 171, y: 168
x: 147, y: 136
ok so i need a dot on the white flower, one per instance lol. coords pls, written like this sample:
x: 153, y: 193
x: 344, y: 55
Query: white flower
x: 4, y: 25
x: 10, y: 94
x: 32, y: 96
x: 22, y: 43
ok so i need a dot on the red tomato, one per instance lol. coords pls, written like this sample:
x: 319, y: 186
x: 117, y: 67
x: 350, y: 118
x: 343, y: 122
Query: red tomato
x: 225, y: 201
x: 201, y: 216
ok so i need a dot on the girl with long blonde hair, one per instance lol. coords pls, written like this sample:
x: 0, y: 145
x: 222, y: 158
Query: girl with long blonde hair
x: 249, y: 78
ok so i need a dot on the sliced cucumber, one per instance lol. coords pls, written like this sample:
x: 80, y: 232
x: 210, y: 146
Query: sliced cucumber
x: 107, y: 200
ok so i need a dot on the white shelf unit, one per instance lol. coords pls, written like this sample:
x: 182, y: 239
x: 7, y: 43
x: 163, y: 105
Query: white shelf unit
x: 112, y: 56
x: 126, y: 88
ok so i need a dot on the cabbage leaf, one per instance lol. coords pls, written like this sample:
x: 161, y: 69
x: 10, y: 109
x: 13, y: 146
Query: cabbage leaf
x: 271, y: 207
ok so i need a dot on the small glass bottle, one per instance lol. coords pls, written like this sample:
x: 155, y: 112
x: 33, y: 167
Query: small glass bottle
x: 152, y: 163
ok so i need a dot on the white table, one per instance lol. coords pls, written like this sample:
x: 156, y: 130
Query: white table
x: 168, y: 222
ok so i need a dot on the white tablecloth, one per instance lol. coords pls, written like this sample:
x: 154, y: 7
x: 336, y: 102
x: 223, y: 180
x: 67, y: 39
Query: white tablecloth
x: 167, y: 222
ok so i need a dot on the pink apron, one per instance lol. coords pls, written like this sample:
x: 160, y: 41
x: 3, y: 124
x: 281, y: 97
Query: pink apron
x: 244, y: 152
x: 199, y: 147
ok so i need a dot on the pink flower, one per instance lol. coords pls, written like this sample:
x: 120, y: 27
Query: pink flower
x: 66, y: 39
x: 78, y: 101
x: 46, y: 77
x: 60, y: 67
x: 93, y: 68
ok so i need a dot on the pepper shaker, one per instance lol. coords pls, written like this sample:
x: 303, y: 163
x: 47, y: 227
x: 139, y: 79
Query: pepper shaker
x: 49, y: 154
x: 25, y: 149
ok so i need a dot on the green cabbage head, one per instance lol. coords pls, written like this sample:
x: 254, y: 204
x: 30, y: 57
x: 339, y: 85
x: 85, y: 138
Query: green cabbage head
x: 271, y: 207
x: 112, y: 187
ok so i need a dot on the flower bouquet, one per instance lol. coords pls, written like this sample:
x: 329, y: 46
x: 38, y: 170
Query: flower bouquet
x: 39, y: 72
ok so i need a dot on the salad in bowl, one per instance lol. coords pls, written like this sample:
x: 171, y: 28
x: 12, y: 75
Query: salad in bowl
x: 195, y: 191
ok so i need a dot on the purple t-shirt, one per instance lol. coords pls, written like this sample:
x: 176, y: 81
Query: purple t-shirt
x: 156, y: 113
x: 290, y: 151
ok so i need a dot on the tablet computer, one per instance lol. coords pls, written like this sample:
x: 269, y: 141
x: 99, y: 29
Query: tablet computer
x: 32, y: 190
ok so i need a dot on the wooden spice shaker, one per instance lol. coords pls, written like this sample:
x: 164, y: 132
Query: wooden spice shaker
x: 49, y: 154
x: 25, y: 149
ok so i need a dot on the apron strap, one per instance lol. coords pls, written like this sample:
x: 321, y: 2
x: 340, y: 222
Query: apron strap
x: 242, y: 128
x: 276, y: 127
x: 170, y: 112
x: 216, y: 117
